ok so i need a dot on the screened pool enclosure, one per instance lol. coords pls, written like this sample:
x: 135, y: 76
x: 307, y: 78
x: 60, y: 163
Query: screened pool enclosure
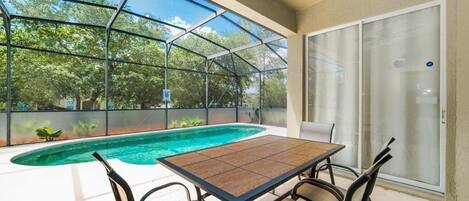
x: 99, y: 67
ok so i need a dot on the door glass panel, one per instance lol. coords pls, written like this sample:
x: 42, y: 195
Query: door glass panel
x: 333, y: 63
x: 402, y: 89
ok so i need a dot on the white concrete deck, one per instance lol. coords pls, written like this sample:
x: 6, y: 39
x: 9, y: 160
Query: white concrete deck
x: 88, y: 182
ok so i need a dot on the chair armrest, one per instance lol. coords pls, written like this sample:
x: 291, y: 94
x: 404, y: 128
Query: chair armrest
x: 166, y: 186
x: 327, y: 165
x: 320, y: 184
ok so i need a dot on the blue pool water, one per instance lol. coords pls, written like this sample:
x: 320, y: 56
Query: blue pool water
x: 138, y: 148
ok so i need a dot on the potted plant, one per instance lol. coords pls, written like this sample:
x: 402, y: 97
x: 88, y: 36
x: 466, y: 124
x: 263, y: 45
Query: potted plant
x: 48, y: 133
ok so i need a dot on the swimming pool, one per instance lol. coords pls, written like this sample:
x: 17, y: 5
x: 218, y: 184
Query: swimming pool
x: 141, y: 149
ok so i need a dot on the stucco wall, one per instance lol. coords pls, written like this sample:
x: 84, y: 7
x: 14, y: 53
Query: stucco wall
x: 462, y: 102
x: 331, y: 13
x: 270, y: 13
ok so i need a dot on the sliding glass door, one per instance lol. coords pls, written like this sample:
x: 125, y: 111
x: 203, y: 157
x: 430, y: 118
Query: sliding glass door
x: 394, y: 63
x: 333, y: 87
x: 401, y: 63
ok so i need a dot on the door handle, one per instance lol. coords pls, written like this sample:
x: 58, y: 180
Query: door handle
x: 443, y: 116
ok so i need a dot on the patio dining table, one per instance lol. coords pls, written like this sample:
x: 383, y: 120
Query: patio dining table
x: 246, y: 170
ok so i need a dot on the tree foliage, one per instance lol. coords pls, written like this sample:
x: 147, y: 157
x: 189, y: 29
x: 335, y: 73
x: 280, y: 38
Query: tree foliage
x: 275, y: 90
x: 45, y: 81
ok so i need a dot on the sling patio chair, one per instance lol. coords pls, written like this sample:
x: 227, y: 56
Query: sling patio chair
x: 122, y: 190
x: 321, y: 132
x: 383, y: 152
x: 313, y: 189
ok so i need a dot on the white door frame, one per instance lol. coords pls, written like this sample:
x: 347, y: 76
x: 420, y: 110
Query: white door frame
x: 442, y: 5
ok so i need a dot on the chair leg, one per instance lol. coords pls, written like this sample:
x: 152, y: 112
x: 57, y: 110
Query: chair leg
x: 312, y: 171
x: 199, y: 194
x: 273, y: 191
x: 331, y: 174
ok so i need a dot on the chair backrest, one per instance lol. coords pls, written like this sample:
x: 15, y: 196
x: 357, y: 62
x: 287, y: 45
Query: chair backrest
x: 321, y: 132
x: 383, y: 152
x: 358, y: 189
x: 120, y: 188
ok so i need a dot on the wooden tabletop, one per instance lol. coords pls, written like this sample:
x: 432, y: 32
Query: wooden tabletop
x: 247, y: 169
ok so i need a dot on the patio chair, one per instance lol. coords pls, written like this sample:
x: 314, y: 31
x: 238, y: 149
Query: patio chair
x: 385, y: 149
x: 313, y: 189
x: 122, y: 190
x: 321, y: 132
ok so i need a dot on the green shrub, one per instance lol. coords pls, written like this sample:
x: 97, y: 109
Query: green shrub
x: 83, y: 128
x: 174, y: 124
x: 47, y: 133
x: 184, y: 123
x: 196, y: 121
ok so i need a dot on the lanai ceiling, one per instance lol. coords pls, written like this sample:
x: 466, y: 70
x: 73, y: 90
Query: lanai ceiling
x: 299, y: 5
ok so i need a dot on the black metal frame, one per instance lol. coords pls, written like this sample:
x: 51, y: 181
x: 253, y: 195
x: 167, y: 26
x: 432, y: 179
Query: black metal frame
x: 6, y: 23
x: 116, y: 180
x: 367, y: 180
x: 168, y: 43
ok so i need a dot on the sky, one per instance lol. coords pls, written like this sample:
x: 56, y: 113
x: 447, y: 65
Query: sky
x: 185, y: 14
x: 181, y: 13
x: 167, y: 10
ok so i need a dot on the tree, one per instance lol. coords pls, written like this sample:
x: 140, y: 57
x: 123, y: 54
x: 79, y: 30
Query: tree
x: 42, y: 81
x: 134, y: 86
x: 3, y: 87
x: 275, y: 90
x: 222, y: 91
x: 187, y: 88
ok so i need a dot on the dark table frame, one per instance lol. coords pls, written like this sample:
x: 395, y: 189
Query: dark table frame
x: 200, y: 183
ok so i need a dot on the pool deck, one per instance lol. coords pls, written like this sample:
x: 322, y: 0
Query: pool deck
x: 87, y: 181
